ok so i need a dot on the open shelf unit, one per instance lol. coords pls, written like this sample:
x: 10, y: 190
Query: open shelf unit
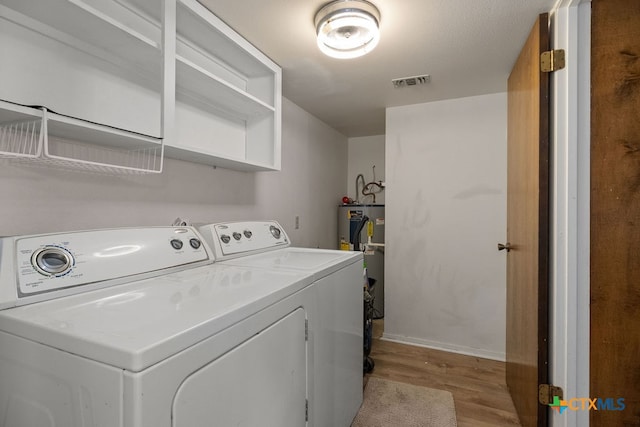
x: 96, y: 60
x: 113, y: 75
x: 226, y: 89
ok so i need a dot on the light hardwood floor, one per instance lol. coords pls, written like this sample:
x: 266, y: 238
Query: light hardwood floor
x: 478, y: 385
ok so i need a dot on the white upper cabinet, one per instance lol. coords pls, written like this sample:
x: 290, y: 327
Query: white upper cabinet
x: 96, y: 60
x: 125, y: 81
x: 228, y: 95
x: 86, y: 76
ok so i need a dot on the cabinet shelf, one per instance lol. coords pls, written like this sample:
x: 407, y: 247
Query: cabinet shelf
x: 197, y: 25
x: 217, y: 159
x: 198, y: 83
x: 100, y: 28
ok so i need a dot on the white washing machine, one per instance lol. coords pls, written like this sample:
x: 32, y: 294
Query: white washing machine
x: 137, y: 328
x: 335, y: 317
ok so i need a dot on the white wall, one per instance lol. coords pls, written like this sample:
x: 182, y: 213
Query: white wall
x: 364, y: 153
x: 445, y: 281
x: 314, y: 159
x: 312, y: 180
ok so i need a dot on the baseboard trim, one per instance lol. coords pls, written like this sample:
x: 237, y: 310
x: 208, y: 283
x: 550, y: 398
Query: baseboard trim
x: 435, y: 345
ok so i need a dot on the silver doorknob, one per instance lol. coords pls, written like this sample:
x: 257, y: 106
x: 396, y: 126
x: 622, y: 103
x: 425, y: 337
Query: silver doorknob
x: 502, y: 247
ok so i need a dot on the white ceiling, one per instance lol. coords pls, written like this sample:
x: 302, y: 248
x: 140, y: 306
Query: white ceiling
x: 467, y: 46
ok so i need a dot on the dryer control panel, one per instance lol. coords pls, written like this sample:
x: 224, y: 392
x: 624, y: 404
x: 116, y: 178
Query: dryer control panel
x: 233, y: 239
x: 52, y: 265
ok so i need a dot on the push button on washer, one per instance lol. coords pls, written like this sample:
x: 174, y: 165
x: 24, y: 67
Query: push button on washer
x: 195, y: 243
x: 275, y: 231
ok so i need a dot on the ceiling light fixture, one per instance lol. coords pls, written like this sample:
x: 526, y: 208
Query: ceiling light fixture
x: 347, y: 28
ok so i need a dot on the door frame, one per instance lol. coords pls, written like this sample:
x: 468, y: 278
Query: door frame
x: 570, y: 208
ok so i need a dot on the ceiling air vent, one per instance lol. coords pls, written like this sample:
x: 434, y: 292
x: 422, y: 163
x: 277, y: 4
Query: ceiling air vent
x: 411, y: 81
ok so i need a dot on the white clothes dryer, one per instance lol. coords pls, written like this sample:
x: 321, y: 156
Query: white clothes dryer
x: 137, y: 328
x: 335, y: 317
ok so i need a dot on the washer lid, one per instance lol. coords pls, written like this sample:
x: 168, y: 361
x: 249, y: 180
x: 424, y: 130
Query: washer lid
x: 136, y: 325
x: 41, y: 267
x: 318, y: 262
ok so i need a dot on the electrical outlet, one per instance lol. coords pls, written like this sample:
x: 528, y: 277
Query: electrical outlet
x: 297, y: 226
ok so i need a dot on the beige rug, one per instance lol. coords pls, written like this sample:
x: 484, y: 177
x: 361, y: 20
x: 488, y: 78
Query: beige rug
x: 392, y: 404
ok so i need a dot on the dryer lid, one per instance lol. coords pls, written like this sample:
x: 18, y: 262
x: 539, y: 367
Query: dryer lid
x: 317, y: 262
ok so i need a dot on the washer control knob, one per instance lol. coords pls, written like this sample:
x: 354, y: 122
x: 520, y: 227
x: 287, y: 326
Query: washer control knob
x: 225, y: 238
x: 237, y: 235
x: 176, y: 243
x: 52, y: 261
x: 195, y: 243
x: 247, y: 234
x: 275, y: 231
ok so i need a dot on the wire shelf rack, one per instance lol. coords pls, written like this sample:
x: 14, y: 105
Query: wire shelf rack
x: 21, y: 139
x: 40, y: 137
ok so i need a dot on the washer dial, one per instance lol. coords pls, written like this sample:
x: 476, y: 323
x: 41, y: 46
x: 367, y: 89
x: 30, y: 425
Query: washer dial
x: 52, y: 261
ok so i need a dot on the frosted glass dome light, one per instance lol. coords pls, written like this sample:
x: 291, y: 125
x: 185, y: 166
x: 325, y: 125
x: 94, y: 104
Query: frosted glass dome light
x: 347, y: 28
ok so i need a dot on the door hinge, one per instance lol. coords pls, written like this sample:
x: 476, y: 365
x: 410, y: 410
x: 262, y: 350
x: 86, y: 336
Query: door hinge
x: 306, y: 409
x: 552, y: 60
x: 547, y: 393
x: 306, y: 329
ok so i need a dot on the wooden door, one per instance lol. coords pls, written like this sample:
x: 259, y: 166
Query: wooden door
x: 528, y: 227
x: 615, y: 211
